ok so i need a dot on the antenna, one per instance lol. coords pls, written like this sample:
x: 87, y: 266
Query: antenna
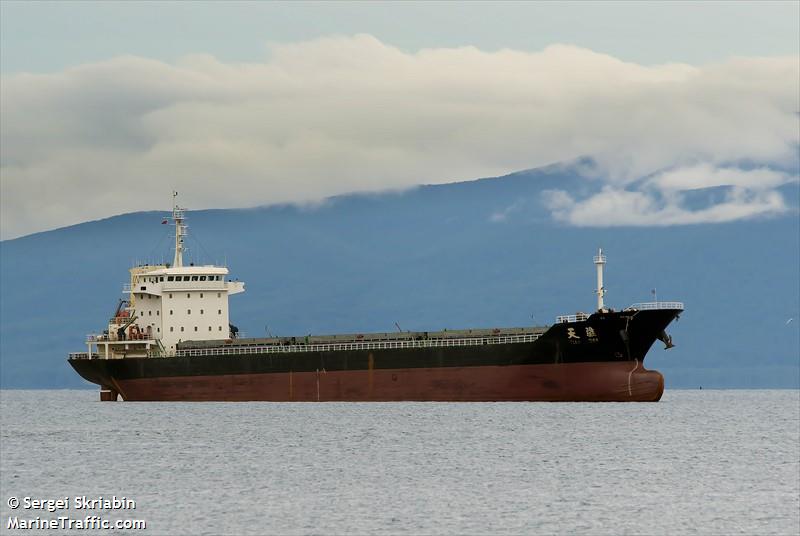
x: 600, y: 261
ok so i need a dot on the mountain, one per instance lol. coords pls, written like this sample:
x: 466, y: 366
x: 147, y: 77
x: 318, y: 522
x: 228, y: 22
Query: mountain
x: 474, y: 254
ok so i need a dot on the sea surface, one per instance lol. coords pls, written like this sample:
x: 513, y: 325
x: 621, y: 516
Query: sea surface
x: 698, y: 462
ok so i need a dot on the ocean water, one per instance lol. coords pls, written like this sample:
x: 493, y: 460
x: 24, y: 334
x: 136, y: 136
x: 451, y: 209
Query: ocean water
x: 698, y: 462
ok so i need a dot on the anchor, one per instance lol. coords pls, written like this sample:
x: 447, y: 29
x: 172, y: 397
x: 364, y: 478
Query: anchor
x: 666, y: 338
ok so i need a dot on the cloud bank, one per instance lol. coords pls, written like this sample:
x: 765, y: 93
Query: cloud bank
x: 345, y: 114
x: 661, y: 200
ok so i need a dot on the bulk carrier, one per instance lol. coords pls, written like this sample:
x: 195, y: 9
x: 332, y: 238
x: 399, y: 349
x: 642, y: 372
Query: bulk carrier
x: 171, y: 340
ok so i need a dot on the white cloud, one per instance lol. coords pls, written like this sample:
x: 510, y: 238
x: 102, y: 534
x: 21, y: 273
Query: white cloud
x: 340, y: 114
x: 707, y: 176
x: 661, y: 201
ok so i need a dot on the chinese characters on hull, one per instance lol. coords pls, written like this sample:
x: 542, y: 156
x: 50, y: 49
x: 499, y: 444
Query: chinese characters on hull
x: 574, y: 337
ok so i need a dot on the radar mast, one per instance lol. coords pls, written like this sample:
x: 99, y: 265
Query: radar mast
x: 180, y: 230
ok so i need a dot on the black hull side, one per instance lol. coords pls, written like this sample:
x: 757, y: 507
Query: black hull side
x: 624, y: 336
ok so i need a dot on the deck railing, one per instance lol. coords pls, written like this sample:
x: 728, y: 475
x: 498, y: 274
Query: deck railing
x: 378, y: 345
x: 83, y: 355
x: 577, y: 317
x: 332, y: 347
x: 649, y: 306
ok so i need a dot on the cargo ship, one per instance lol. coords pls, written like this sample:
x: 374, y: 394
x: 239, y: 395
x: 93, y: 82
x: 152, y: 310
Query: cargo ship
x: 170, y: 339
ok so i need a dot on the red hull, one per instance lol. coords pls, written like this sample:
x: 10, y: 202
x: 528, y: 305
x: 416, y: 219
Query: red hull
x: 588, y: 382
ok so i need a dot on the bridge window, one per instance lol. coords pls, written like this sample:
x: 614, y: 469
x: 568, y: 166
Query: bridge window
x: 194, y: 278
x: 219, y: 294
x: 209, y: 328
x: 188, y: 295
x: 158, y: 313
x: 219, y: 311
x: 220, y: 328
x: 202, y: 278
x: 201, y: 294
x: 201, y: 311
x: 188, y: 311
x: 170, y: 296
x: 170, y: 311
x: 171, y: 328
x: 181, y: 328
x: 195, y: 328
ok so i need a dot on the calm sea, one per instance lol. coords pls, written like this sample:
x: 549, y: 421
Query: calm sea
x: 698, y: 462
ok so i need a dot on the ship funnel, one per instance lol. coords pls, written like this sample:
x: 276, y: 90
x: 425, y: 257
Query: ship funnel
x: 600, y: 261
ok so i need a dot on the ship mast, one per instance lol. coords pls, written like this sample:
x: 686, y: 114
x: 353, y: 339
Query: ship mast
x: 180, y: 230
x: 600, y: 261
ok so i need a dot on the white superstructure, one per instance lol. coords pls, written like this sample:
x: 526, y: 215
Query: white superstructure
x: 168, y: 304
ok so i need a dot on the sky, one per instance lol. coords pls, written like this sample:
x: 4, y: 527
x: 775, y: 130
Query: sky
x: 105, y: 108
